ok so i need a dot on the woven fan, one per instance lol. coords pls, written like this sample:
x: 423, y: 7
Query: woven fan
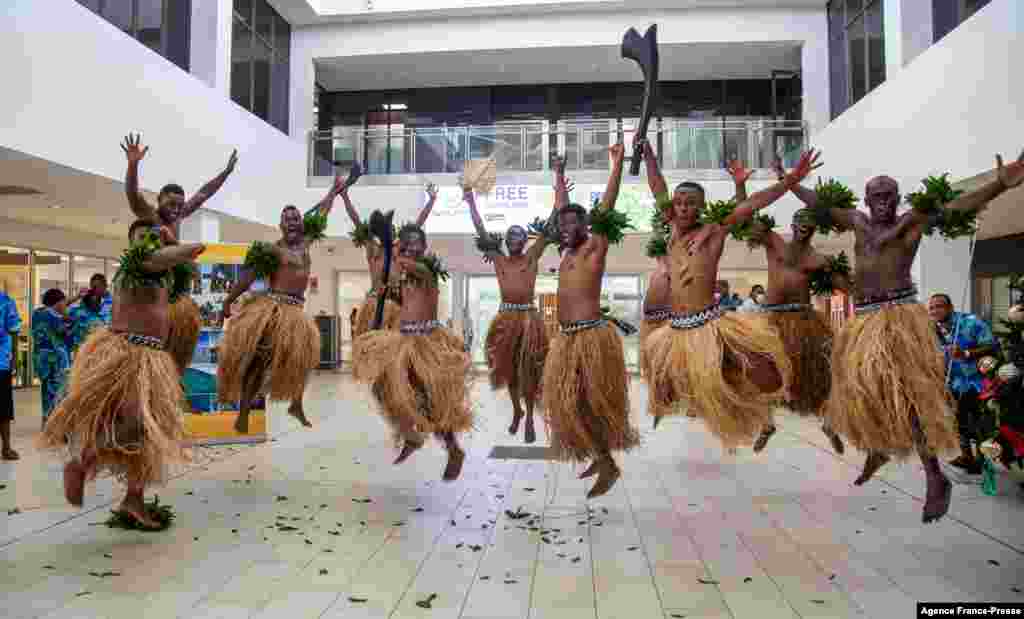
x: 480, y: 175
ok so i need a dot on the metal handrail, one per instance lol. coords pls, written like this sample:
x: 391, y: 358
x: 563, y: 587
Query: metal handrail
x: 528, y: 146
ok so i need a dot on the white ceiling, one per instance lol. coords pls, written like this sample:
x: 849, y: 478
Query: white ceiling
x: 311, y: 12
x: 677, y: 62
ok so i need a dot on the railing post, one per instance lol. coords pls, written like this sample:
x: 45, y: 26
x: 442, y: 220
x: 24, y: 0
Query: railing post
x: 445, y: 164
x: 545, y: 144
x: 522, y: 146
x: 311, y: 155
x: 412, y: 151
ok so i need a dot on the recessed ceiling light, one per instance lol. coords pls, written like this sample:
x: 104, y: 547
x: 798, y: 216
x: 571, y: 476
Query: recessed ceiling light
x: 56, y: 206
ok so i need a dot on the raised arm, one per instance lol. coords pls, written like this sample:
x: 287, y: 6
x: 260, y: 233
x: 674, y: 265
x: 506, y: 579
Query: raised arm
x: 1007, y: 177
x: 739, y: 175
x: 135, y: 151
x: 474, y: 214
x: 654, y: 178
x: 562, y: 188
x: 616, y: 153
x: 206, y: 191
x: 425, y: 211
x: 845, y: 217
x: 168, y: 257
x: 761, y: 199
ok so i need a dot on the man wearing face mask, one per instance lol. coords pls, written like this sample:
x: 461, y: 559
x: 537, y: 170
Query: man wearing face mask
x: 517, y: 341
x: 729, y: 370
x: 419, y: 373
x: 754, y: 301
x: 171, y: 209
x: 888, y: 381
x: 272, y: 343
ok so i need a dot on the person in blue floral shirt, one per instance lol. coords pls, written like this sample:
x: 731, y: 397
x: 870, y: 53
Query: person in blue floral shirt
x: 10, y: 326
x: 92, y: 311
x: 965, y: 339
x: 51, y: 345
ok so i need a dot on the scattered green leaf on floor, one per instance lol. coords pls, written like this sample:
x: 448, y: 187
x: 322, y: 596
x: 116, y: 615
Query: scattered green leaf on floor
x: 356, y: 600
x: 705, y: 581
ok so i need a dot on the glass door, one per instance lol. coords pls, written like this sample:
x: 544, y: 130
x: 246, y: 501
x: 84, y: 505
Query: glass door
x: 352, y: 289
x: 15, y: 282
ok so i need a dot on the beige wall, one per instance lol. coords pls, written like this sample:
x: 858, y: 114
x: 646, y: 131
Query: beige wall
x: 34, y: 236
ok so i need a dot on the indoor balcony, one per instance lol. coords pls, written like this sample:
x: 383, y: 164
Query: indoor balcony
x: 523, y: 151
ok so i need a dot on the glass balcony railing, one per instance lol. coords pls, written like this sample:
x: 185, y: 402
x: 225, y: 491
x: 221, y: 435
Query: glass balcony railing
x: 529, y: 147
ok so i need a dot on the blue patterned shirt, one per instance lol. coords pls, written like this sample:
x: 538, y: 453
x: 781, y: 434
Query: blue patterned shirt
x: 106, y: 308
x: 10, y: 325
x: 972, y: 332
x: 83, y: 321
x: 50, y: 342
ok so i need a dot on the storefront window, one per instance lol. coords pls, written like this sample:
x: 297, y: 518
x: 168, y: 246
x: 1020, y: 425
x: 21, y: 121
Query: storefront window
x: 14, y: 282
x: 85, y: 268
x: 352, y: 289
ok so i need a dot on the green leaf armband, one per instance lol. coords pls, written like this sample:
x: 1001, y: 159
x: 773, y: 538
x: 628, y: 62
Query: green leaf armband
x: 831, y: 194
x: 716, y: 211
x: 361, y: 235
x: 433, y: 263
x: 821, y: 280
x: 131, y: 274
x: 314, y: 225
x: 182, y: 276
x: 753, y: 231
x: 261, y: 259
x: 610, y: 224
x: 931, y: 201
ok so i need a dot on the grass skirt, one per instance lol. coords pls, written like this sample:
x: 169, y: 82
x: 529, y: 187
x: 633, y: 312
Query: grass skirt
x: 886, y: 368
x: 184, y: 334
x: 807, y: 338
x: 586, y: 395
x: 648, y: 327
x: 367, y: 311
x: 421, y: 382
x: 124, y: 401
x: 280, y: 337
x: 517, y: 343
x: 704, y: 371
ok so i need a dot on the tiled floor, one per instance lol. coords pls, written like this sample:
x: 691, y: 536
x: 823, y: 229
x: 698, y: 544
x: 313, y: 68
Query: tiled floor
x: 689, y: 531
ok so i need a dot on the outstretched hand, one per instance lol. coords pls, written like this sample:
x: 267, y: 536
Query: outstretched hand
x: 133, y: 148
x: 432, y: 191
x: 232, y: 161
x: 738, y: 173
x: 1012, y: 175
x: 808, y: 161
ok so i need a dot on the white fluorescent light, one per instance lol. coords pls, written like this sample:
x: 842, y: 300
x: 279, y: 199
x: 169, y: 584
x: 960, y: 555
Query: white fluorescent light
x: 395, y: 106
x: 56, y: 206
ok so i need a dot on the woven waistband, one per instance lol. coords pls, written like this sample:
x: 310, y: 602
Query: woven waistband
x: 697, y: 319
x: 286, y: 298
x: 784, y: 307
x: 517, y: 307
x: 581, y: 325
x: 147, y: 341
x: 904, y: 296
x: 418, y: 327
x: 658, y: 314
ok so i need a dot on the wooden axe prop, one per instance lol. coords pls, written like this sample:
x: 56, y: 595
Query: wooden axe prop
x: 644, y: 50
x: 380, y: 227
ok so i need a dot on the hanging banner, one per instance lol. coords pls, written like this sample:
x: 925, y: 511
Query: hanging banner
x: 210, y: 422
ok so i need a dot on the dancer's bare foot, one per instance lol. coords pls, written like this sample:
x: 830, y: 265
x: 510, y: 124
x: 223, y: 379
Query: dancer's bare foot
x: 591, y: 470
x: 529, y: 433
x: 837, y: 443
x: 74, y: 482
x: 609, y: 474
x: 242, y: 422
x: 517, y: 416
x: 134, y: 506
x: 762, y: 440
x: 874, y: 462
x: 295, y: 410
x: 10, y: 454
x: 453, y: 469
x: 408, y: 449
x: 936, y: 502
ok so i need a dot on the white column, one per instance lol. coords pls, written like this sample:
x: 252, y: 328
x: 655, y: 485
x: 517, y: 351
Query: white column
x: 210, y: 44
x: 815, y: 77
x: 908, y: 32
x: 945, y: 267
x: 201, y: 227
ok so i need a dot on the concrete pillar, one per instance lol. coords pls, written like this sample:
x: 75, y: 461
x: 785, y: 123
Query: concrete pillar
x: 210, y: 44
x: 908, y: 32
x: 815, y: 77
